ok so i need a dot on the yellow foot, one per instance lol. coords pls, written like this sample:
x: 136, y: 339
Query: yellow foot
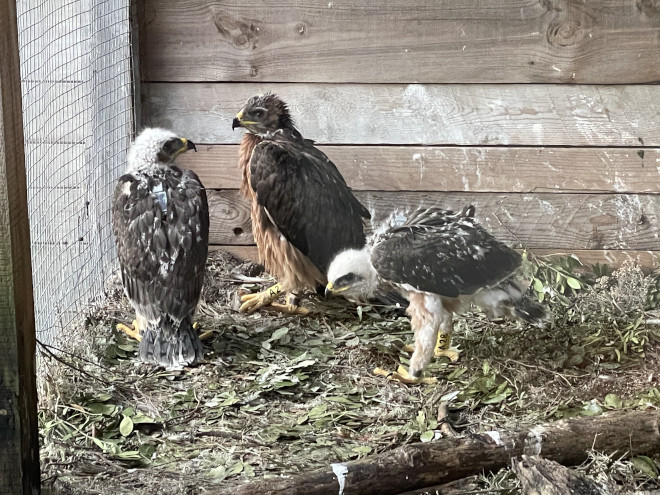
x: 289, y: 309
x: 131, y: 332
x: 253, y: 302
x: 203, y: 335
x: 442, y: 347
x: 401, y: 375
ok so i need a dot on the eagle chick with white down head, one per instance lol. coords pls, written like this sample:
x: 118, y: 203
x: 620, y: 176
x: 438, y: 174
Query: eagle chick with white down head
x: 160, y: 219
x: 438, y: 260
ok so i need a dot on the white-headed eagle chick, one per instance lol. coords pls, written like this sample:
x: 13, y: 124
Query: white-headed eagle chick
x: 302, y: 211
x: 438, y: 260
x: 160, y: 219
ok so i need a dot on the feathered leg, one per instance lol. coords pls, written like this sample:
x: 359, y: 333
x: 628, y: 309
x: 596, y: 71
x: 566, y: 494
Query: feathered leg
x: 427, y: 315
x: 425, y: 341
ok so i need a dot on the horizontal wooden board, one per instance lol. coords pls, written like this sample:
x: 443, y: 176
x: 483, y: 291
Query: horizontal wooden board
x: 537, y: 221
x: 497, y: 169
x: 467, y: 115
x: 383, y: 41
x: 647, y: 259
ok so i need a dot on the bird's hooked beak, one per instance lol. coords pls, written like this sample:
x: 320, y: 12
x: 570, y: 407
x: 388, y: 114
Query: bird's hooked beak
x: 330, y: 290
x: 189, y: 145
x: 239, y: 122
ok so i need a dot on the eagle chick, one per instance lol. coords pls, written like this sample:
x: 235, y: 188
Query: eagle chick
x: 160, y: 220
x: 438, y: 260
x: 302, y: 211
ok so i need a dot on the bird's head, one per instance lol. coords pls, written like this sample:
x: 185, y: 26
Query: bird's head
x: 156, y: 146
x: 263, y: 114
x: 352, y: 275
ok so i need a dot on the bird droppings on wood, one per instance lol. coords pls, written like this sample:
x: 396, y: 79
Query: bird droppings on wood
x: 283, y: 395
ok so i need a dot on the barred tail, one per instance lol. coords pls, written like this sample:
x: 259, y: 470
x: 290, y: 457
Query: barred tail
x: 508, y: 297
x: 531, y: 311
x: 171, y: 344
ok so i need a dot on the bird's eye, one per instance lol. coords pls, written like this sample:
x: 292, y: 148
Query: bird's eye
x: 349, y: 278
x: 258, y: 113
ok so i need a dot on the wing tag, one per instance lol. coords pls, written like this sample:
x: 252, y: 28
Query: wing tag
x: 161, y: 197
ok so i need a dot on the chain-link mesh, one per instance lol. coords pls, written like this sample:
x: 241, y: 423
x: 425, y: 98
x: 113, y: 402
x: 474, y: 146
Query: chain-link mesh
x: 77, y: 114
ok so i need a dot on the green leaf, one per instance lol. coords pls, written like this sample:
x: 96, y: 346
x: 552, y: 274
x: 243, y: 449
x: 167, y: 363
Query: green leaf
x: 538, y: 285
x: 362, y: 449
x: 219, y: 473
x: 126, y: 426
x: 645, y: 465
x: 235, y: 469
x: 427, y: 436
x: 613, y: 400
x: 147, y: 451
x: 573, y: 283
x: 591, y: 409
x: 279, y: 333
x: 100, y: 408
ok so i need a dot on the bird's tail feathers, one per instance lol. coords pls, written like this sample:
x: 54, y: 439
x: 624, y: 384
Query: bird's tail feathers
x: 531, y: 311
x: 171, y: 344
x: 509, y: 297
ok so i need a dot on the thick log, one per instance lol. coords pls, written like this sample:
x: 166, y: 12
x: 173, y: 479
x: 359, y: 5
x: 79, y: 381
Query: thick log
x: 540, y: 476
x: 19, y: 434
x: 434, y: 114
x: 377, y: 41
x: 477, y: 169
x: 422, y: 465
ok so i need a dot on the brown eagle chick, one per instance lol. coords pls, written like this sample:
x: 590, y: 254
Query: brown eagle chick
x: 302, y: 211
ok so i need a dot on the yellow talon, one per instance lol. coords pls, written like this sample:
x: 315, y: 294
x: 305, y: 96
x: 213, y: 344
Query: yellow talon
x: 442, y: 348
x: 253, y: 302
x: 131, y: 332
x: 290, y: 309
x: 206, y: 335
x: 401, y: 375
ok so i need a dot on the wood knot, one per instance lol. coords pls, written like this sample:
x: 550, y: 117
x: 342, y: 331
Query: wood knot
x: 239, y: 33
x: 649, y: 7
x: 413, y: 457
x: 569, y: 22
x: 565, y: 33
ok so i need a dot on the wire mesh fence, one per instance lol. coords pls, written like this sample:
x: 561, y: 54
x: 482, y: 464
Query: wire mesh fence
x: 76, y: 81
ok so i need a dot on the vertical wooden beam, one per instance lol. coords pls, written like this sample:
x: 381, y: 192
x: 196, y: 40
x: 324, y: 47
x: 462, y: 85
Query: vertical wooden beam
x: 19, y: 439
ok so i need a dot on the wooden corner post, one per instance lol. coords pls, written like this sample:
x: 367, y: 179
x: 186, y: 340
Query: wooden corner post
x: 19, y: 439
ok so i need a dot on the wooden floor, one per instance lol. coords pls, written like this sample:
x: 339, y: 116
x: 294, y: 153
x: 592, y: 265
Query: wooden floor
x: 542, y: 114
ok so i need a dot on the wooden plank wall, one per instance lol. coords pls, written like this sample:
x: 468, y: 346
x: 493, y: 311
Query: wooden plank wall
x: 545, y: 114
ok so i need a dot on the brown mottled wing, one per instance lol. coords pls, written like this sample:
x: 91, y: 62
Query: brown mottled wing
x: 306, y: 197
x: 161, y: 226
x: 443, y: 252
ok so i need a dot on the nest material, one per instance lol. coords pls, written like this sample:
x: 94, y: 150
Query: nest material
x: 282, y: 395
